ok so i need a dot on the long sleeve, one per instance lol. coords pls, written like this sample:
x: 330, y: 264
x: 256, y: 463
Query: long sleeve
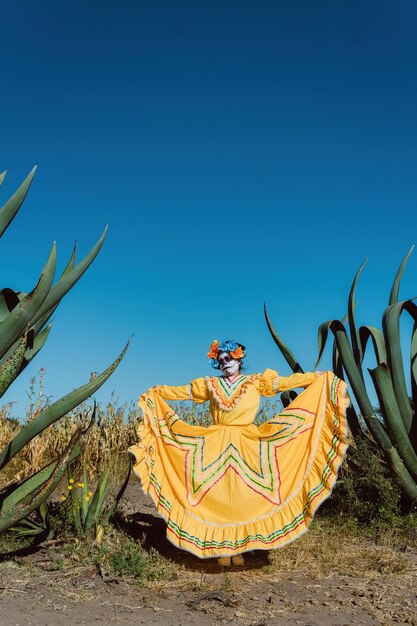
x: 272, y: 383
x: 196, y: 391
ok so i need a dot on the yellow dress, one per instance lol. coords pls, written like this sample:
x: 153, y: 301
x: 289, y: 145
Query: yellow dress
x: 233, y: 486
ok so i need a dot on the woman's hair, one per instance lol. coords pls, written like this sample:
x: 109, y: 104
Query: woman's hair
x: 234, y: 348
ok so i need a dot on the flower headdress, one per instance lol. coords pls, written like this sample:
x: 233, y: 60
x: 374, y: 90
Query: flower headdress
x: 236, y: 351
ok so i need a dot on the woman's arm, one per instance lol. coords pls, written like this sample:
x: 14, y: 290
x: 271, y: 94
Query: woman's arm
x: 179, y: 392
x: 271, y: 383
x: 196, y: 391
x: 296, y: 380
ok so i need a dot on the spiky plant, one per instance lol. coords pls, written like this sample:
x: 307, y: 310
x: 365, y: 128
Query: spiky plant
x: 394, y: 425
x: 24, y: 328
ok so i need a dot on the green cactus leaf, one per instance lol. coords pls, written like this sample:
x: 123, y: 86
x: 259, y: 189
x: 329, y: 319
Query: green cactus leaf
x: 393, y: 298
x: 52, y: 413
x: 356, y: 382
x: 23, y: 509
x: 68, y: 280
x: 9, y: 210
x: 8, y: 300
x: 366, y: 332
x: 95, y: 509
x: 322, y: 335
x: 41, y: 321
x: 84, y: 495
x: 17, y: 492
x: 2, y: 177
x: 12, y: 326
x: 391, y: 328
x: 38, y: 344
x: 387, y: 399
x: 354, y: 335
x: 11, y: 367
x: 71, y: 263
x: 112, y: 508
x: 285, y: 351
x: 76, y: 514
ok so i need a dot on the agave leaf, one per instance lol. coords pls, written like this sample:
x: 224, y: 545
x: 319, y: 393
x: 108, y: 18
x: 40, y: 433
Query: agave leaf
x: 322, y: 335
x: 287, y: 397
x: 358, y: 386
x: 400, y: 471
x: 112, y: 508
x: 337, y: 363
x: 2, y: 177
x: 76, y: 514
x: 67, y: 280
x: 393, y: 298
x: 391, y: 328
x: 285, y: 351
x: 11, y: 367
x: 52, y: 413
x: 71, y: 263
x: 354, y: 335
x: 31, y: 528
x: 95, y: 509
x: 413, y: 368
x: 8, y: 300
x: 17, y: 492
x: 366, y: 332
x: 23, y: 509
x: 38, y: 344
x: 14, y: 324
x: 84, y: 493
x: 385, y: 391
x: 36, y: 341
x: 9, y: 210
x: 44, y: 319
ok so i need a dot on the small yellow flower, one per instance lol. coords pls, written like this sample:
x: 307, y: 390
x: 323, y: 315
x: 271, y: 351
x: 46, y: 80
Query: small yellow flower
x: 90, y: 493
x: 87, y: 498
x: 69, y: 487
x: 80, y: 485
x: 63, y: 498
x: 71, y: 480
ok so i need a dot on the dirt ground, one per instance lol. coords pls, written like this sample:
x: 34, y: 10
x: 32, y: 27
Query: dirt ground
x: 266, y: 591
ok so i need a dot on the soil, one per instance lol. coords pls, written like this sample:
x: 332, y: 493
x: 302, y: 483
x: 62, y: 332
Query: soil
x: 34, y: 591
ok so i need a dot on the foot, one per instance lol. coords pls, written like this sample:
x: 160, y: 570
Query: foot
x: 238, y: 560
x: 224, y: 561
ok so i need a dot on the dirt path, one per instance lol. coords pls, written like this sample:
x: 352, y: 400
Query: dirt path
x: 374, y: 586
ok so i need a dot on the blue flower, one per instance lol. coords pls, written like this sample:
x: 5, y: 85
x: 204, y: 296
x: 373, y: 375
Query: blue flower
x: 228, y: 346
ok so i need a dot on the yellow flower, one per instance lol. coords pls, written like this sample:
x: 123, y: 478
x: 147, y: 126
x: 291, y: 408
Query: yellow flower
x: 63, y: 498
x: 87, y: 498
x: 71, y: 480
x: 90, y: 493
x: 69, y: 487
x: 80, y: 485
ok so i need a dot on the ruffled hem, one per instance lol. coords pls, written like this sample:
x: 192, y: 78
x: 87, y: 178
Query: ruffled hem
x: 284, y: 523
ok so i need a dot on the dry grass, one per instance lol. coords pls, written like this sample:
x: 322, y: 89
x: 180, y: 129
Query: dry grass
x: 340, y: 546
x: 115, y: 430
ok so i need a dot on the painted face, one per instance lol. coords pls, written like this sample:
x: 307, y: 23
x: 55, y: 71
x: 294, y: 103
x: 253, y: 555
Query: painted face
x: 228, y: 365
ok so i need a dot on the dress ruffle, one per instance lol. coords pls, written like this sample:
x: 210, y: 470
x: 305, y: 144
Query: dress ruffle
x: 227, y: 489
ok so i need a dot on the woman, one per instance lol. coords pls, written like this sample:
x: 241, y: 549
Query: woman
x: 233, y: 486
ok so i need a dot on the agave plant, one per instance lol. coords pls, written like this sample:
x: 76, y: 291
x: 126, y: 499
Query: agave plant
x: 89, y: 509
x: 24, y: 328
x: 394, y: 425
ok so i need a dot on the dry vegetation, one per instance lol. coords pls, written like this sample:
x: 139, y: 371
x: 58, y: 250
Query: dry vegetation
x: 114, y: 432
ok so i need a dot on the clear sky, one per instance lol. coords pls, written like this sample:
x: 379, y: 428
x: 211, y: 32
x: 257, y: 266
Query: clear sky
x: 239, y: 151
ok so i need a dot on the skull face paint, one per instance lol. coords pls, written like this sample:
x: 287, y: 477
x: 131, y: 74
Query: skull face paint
x: 228, y: 365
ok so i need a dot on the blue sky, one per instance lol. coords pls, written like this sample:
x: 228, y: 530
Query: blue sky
x: 239, y: 152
